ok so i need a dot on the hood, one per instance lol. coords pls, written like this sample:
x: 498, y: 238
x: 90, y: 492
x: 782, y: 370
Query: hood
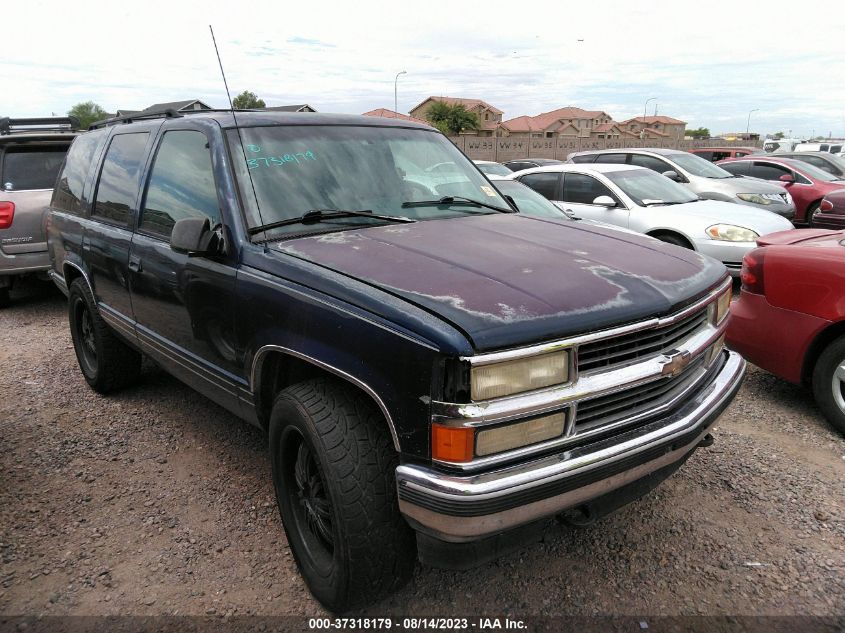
x: 718, y: 212
x: 744, y: 184
x: 785, y: 238
x: 507, y: 280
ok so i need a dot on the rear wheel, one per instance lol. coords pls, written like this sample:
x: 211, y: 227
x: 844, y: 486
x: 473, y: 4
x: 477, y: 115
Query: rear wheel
x: 333, y: 467
x: 107, y: 363
x: 829, y: 383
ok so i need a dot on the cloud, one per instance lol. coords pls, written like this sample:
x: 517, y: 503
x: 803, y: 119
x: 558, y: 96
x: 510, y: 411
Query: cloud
x: 707, y: 64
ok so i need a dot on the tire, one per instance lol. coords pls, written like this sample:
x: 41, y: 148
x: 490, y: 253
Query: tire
x: 829, y: 383
x: 333, y: 467
x: 811, y: 210
x: 107, y: 363
x: 5, y: 300
x: 677, y: 240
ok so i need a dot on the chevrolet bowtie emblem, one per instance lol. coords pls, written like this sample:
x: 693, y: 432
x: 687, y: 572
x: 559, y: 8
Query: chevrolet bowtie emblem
x: 675, y: 363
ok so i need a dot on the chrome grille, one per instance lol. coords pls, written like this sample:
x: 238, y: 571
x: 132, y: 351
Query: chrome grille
x: 630, y: 403
x: 619, y: 350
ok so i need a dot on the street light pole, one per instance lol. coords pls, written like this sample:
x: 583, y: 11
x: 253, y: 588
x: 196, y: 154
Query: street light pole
x: 748, y: 124
x: 645, y: 106
x: 396, y: 90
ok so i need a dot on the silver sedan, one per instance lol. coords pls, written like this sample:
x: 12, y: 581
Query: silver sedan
x: 644, y: 201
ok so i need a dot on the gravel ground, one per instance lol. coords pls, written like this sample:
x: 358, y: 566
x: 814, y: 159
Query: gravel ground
x: 155, y: 501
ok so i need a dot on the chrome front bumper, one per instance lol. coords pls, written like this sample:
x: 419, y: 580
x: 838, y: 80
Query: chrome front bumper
x: 456, y: 507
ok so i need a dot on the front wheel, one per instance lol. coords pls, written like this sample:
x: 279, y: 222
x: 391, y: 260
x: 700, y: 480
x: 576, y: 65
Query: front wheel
x: 812, y: 212
x: 671, y: 238
x: 333, y: 466
x: 829, y: 383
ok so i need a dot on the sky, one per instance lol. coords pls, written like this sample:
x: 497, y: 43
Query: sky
x: 707, y: 63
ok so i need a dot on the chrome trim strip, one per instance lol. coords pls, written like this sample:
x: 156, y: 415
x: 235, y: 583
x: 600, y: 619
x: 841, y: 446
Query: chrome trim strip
x: 525, y: 476
x: 117, y: 320
x: 81, y: 272
x: 262, y: 351
x: 513, y: 354
x: 154, y: 345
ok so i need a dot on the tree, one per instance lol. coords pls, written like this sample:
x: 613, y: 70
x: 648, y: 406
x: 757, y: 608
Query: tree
x: 701, y: 132
x: 88, y: 112
x: 451, y: 119
x: 778, y: 135
x: 247, y: 100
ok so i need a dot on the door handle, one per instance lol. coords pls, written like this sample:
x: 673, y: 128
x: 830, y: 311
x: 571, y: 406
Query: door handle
x: 134, y: 263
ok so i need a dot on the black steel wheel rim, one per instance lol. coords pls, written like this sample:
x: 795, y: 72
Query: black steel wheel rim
x: 85, y: 334
x: 308, y: 500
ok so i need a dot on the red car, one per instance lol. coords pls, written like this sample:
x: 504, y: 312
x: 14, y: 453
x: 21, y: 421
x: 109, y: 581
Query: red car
x: 831, y: 213
x: 790, y: 317
x: 807, y: 184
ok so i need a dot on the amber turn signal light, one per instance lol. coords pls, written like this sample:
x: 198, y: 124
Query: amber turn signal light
x: 452, y: 444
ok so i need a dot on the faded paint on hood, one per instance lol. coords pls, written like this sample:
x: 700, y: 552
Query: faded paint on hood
x: 509, y: 280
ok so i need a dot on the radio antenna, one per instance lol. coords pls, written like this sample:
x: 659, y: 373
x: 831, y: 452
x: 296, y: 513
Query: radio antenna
x: 237, y: 127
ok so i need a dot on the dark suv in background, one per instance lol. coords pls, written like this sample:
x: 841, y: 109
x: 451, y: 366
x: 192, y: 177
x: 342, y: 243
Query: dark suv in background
x: 435, y: 372
x: 31, y: 153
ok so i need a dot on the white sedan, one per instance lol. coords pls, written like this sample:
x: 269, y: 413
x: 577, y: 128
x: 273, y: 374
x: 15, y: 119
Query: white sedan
x: 644, y: 201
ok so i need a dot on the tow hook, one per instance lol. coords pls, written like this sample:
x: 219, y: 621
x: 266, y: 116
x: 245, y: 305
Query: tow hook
x: 706, y: 441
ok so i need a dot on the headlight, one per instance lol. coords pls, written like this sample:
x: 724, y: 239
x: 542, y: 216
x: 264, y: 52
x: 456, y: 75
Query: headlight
x: 721, y: 306
x: 515, y: 376
x: 788, y: 197
x: 754, y: 198
x: 731, y: 233
x: 520, y: 434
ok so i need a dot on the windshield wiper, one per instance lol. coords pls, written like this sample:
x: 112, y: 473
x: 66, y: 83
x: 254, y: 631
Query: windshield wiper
x: 318, y: 215
x: 449, y: 200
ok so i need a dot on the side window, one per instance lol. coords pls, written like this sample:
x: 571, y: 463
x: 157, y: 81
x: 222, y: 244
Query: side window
x: 544, y: 183
x: 705, y: 155
x: 741, y: 154
x: 119, y: 177
x: 768, y: 171
x: 584, y: 158
x: 739, y: 168
x: 721, y: 156
x: 181, y: 183
x: 583, y: 189
x: 68, y: 194
x: 650, y: 162
x: 615, y: 159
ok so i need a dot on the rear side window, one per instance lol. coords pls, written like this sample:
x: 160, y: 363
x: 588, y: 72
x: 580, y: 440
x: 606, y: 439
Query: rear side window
x: 544, y: 183
x: 69, y: 192
x: 181, y: 183
x: 705, y: 155
x: 720, y: 156
x: 32, y: 167
x: 119, y: 178
x: 583, y: 189
x: 584, y: 158
x: 739, y: 168
x: 613, y: 159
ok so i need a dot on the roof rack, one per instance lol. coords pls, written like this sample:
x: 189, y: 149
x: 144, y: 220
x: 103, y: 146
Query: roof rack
x: 163, y: 114
x: 39, y: 124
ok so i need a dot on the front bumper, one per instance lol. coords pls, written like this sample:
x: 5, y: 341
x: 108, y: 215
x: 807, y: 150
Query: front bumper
x: 456, y: 508
x: 729, y: 253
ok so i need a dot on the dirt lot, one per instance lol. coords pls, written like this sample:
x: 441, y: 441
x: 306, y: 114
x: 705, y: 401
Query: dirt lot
x: 156, y: 501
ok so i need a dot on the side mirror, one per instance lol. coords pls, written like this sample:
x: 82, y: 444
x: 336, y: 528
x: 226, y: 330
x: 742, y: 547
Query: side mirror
x: 787, y: 178
x: 194, y: 237
x: 672, y: 175
x: 605, y: 201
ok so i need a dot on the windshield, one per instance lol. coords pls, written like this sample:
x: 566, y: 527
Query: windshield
x: 529, y: 201
x: 697, y: 166
x: 494, y: 169
x: 647, y: 186
x: 299, y: 168
x: 816, y: 173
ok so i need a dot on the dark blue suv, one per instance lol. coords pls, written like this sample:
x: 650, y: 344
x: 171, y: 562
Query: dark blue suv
x: 436, y: 373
